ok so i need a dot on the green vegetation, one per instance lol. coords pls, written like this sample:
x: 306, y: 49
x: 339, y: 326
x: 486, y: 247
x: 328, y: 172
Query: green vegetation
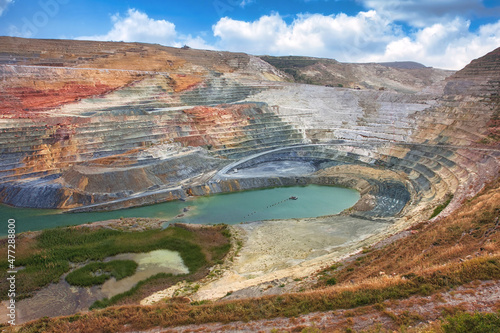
x: 473, y: 323
x: 47, y: 256
x: 331, y: 281
x: 98, y: 272
x: 288, y: 305
x: 442, y: 206
x: 131, y: 292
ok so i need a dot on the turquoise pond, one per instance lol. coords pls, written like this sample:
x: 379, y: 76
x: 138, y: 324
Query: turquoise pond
x: 231, y: 208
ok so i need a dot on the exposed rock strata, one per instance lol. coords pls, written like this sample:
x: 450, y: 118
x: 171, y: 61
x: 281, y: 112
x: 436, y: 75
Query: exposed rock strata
x: 110, y: 125
x: 89, y: 125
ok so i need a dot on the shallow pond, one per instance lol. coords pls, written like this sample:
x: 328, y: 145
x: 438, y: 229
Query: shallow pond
x: 231, y: 208
x: 62, y: 299
x: 149, y: 264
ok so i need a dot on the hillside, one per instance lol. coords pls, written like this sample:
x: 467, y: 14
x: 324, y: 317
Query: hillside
x: 407, y: 77
x: 89, y: 126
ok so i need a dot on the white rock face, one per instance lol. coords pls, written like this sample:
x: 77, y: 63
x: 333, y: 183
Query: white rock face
x: 346, y: 113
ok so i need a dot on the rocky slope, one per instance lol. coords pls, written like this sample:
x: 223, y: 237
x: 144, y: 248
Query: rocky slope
x: 94, y: 125
x: 395, y: 76
x: 77, y: 116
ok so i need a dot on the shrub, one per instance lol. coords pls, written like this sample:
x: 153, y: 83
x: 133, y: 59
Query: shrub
x: 331, y: 281
x: 99, y: 272
x: 473, y: 323
x: 441, y: 207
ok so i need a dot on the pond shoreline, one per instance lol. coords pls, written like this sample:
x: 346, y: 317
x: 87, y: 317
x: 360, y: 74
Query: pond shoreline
x: 197, y: 209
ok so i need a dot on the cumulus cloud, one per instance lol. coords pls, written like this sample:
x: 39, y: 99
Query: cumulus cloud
x: 137, y: 26
x: 366, y: 37
x: 315, y: 34
x: 422, y: 13
x: 443, y: 45
x: 4, y: 4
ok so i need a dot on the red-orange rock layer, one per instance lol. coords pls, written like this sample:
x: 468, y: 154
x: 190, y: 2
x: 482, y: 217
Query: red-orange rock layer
x: 59, y: 144
x: 184, y: 82
x: 24, y: 101
x: 215, y: 126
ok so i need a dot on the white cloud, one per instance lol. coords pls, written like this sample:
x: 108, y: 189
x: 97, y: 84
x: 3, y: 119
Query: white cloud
x: 443, y: 45
x: 244, y: 3
x: 316, y: 35
x: 4, y: 4
x: 366, y: 37
x: 194, y: 42
x: 15, y: 31
x: 136, y: 26
x: 422, y: 13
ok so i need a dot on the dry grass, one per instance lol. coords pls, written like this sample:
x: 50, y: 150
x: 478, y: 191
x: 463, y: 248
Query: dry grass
x: 471, y: 231
x: 179, y: 312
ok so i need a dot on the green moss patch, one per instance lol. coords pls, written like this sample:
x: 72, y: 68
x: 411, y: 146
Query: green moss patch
x: 49, y: 255
x: 99, y: 272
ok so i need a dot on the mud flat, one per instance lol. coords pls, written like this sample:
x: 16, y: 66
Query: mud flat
x: 274, y: 245
x: 285, y: 249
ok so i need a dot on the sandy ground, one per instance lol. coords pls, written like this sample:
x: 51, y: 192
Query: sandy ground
x: 280, y: 249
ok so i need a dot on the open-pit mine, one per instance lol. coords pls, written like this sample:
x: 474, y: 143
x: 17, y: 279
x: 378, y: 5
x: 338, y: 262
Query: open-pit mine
x: 103, y: 126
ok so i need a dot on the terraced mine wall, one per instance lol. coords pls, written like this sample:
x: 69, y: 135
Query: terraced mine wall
x: 389, y: 197
x: 116, y: 125
x: 383, y: 197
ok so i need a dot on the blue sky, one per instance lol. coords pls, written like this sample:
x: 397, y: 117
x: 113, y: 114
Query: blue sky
x: 438, y: 33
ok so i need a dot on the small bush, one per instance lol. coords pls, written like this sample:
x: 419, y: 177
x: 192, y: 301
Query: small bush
x: 99, y: 272
x: 441, y: 207
x: 331, y: 281
x: 473, y: 323
x: 335, y: 266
